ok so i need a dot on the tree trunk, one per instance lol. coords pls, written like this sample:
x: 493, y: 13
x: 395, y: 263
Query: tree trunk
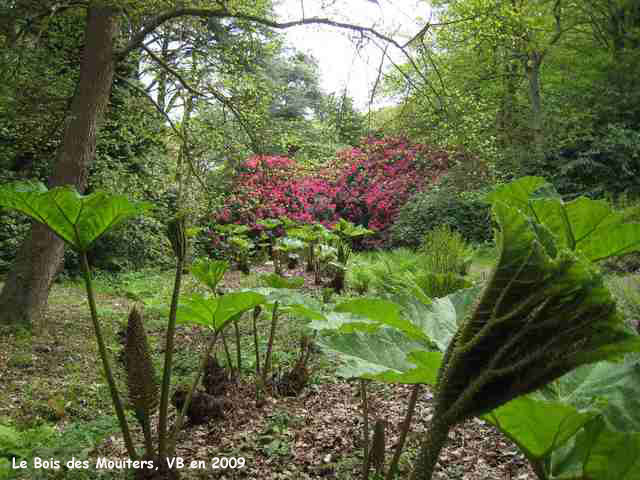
x: 532, y: 68
x: 23, y: 299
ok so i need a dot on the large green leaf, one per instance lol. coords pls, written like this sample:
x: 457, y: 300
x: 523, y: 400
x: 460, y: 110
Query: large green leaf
x: 517, y: 193
x: 386, y: 355
x: 286, y: 297
x: 209, y: 272
x: 609, y: 447
x: 440, y: 318
x: 591, y: 227
x: 231, y: 304
x: 538, y: 426
x: 78, y: 219
x: 216, y: 312
x: 344, y: 322
x: 197, y: 309
x: 618, y: 383
x: 387, y: 341
x: 597, y: 453
x: 383, y: 312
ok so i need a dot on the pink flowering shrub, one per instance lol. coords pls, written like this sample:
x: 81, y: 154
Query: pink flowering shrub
x: 366, y: 185
x: 271, y: 187
x: 378, y: 178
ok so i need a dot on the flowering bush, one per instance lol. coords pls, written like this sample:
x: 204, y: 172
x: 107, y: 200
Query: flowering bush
x: 366, y: 185
x: 378, y: 178
x: 273, y: 186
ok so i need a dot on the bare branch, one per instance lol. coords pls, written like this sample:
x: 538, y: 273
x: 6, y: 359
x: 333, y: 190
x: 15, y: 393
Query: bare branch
x: 157, y: 21
x: 377, y: 82
x: 217, y: 95
x: 171, y: 123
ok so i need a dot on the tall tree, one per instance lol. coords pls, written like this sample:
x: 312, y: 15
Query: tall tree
x: 25, y: 293
x: 26, y: 290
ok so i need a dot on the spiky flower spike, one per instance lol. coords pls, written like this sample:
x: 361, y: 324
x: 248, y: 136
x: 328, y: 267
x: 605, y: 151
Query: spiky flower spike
x: 141, y: 378
x: 176, y: 234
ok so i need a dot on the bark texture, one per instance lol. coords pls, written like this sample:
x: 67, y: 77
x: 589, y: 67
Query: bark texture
x: 23, y: 299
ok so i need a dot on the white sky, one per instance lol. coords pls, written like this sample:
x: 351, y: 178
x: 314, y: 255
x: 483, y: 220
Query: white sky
x: 340, y: 62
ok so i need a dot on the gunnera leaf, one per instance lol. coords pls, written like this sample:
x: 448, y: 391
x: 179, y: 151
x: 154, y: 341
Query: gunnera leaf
x: 77, y: 219
x: 141, y: 377
x: 216, y: 312
x: 592, y: 227
x: 209, y: 272
x: 610, y: 446
x: 537, y: 319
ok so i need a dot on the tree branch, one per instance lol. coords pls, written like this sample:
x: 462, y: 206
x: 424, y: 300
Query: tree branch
x: 218, y: 96
x: 171, y: 123
x: 157, y: 21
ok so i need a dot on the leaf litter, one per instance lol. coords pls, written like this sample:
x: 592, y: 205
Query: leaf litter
x: 317, y: 435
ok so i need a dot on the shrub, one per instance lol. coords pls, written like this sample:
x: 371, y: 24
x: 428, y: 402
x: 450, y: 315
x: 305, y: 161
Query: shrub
x: 445, y: 251
x: 13, y: 229
x: 272, y: 187
x: 366, y: 185
x: 376, y: 179
x: 381, y: 270
x: 436, y: 285
x: 465, y: 213
x: 627, y: 294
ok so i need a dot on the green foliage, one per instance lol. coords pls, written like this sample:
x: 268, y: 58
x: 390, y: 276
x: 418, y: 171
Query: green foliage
x: 445, y: 251
x: 21, y: 444
x: 79, y: 220
x: 464, y: 213
x: 133, y: 245
x: 576, y: 426
x: 544, y: 312
x: 273, y: 280
x: 77, y: 440
x: 216, y: 312
x: 626, y: 290
x: 13, y: 231
x: 400, y: 272
x: 348, y: 231
x: 209, y: 272
x: 427, y: 284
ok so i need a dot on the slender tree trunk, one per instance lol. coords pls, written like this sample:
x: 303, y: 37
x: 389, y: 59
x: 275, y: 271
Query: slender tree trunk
x: 532, y: 68
x: 506, y: 113
x: 23, y: 299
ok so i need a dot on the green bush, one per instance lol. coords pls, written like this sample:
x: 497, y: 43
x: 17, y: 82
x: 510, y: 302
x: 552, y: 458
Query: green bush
x: 135, y: 245
x: 403, y: 271
x: 445, y: 251
x: 437, y: 285
x: 381, y: 270
x: 465, y: 213
x: 13, y: 228
x: 626, y: 291
x: 76, y: 441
